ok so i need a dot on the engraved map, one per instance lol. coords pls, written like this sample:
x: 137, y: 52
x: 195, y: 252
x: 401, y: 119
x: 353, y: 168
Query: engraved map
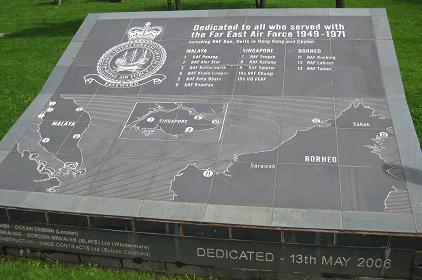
x: 286, y: 112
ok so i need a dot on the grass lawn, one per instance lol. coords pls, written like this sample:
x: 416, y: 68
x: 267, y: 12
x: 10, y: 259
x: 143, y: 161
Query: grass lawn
x: 38, y: 33
x: 27, y: 269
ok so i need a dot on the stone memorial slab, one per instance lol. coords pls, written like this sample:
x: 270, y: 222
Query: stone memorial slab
x: 221, y: 140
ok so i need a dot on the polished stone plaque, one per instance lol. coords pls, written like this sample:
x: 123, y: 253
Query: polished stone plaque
x: 275, y: 119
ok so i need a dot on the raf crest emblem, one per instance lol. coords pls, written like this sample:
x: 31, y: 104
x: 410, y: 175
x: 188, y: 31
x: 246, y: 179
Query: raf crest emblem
x: 132, y: 63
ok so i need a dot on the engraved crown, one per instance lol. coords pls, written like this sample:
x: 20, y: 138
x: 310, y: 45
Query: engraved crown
x: 146, y: 32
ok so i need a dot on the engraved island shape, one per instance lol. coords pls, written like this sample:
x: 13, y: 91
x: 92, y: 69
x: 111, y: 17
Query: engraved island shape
x: 62, y: 126
x: 57, y: 154
x: 303, y: 171
x: 158, y: 120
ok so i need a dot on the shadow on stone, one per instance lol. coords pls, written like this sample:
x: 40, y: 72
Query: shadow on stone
x: 411, y: 175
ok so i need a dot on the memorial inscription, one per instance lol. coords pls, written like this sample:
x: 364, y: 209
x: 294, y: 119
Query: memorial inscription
x: 220, y: 76
x: 284, y: 121
x: 216, y: 253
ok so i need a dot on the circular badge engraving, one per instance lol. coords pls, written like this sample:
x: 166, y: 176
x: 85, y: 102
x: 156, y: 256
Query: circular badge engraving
x: 132, y: 63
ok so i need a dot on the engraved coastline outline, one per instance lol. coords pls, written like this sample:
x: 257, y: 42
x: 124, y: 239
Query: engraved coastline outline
x: 174, y: 119
x: 395, y: 196
x: 72, y: 128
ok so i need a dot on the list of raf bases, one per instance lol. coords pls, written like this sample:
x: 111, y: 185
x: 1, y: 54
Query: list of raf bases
x: 258, y: 50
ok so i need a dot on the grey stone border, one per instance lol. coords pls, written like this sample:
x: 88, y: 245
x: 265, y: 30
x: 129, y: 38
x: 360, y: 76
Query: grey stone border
x: 407, y: 140
x: 213, y: 213
x: 304, y: 218
x: 228, y: 214
x: 378, y: 221
x: 85, y: 27
x: 418, y: 221
x: 70, y: 53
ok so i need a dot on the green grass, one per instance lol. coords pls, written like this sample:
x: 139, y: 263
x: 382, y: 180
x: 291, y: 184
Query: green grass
x: 29, y: 269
